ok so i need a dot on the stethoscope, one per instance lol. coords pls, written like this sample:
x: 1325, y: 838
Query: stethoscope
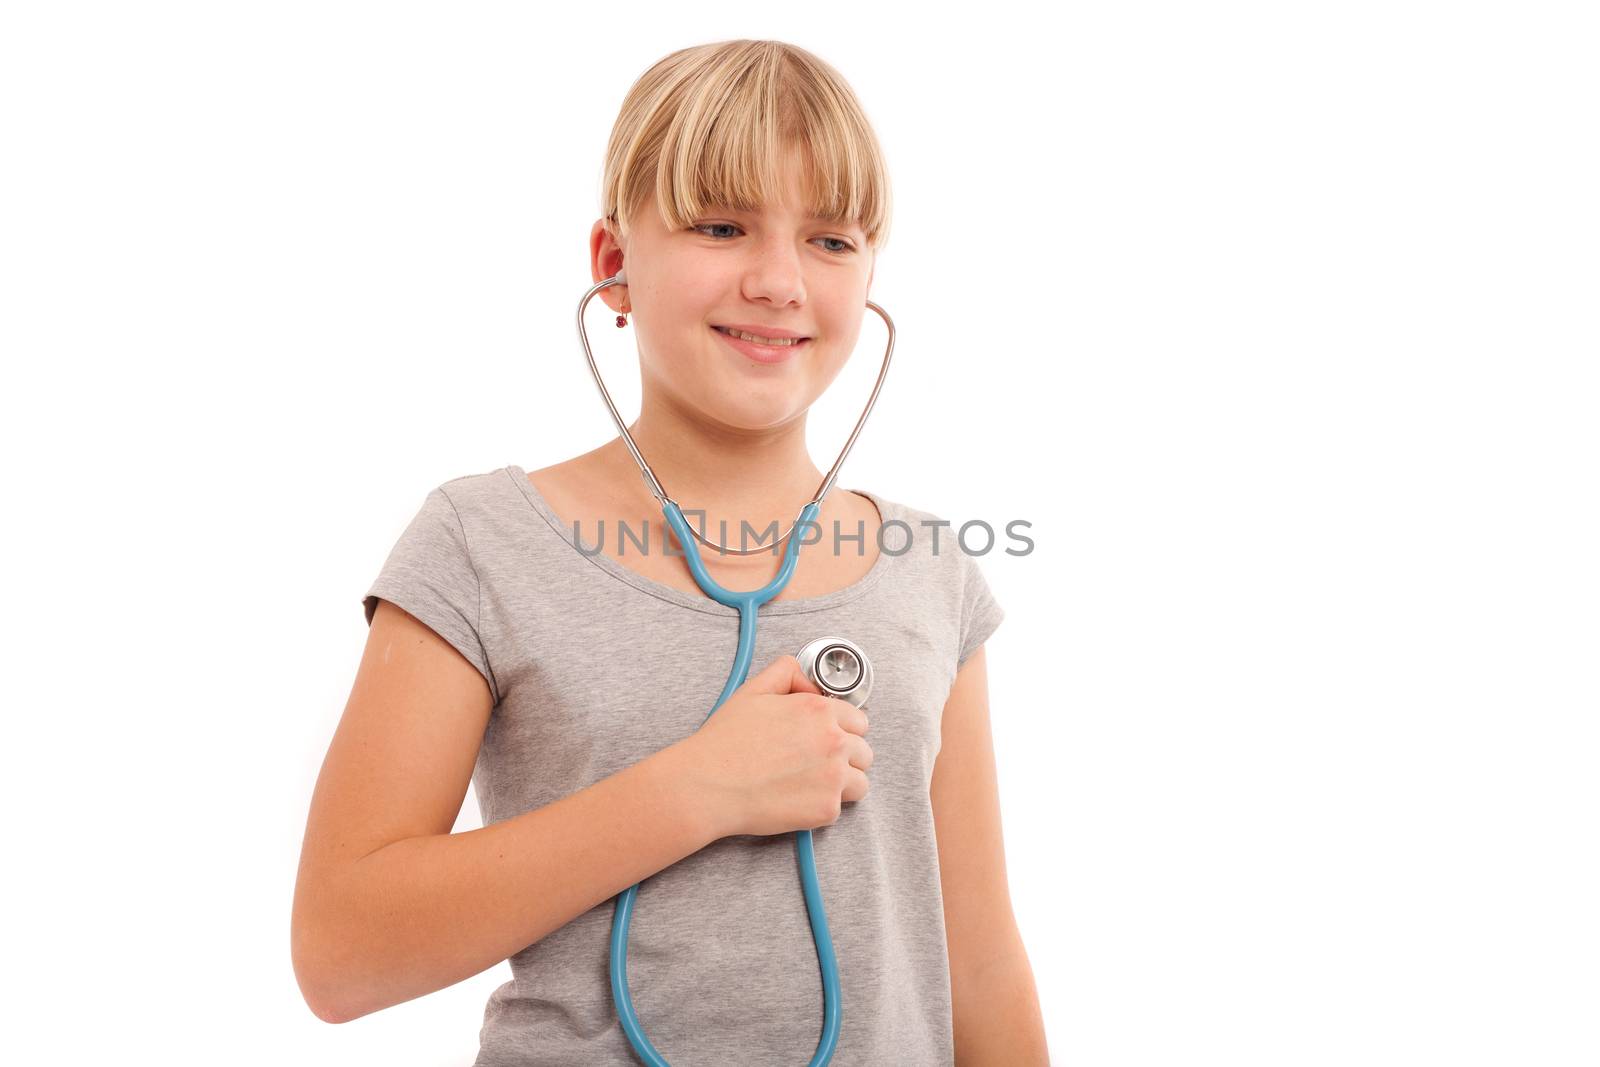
x: 837, y: 666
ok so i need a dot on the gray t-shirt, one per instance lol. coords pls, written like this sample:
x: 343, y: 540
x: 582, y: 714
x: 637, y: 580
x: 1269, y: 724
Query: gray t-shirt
x: 594, y: 667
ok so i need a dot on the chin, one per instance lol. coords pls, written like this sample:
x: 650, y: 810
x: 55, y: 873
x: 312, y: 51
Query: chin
x: 749, y: 410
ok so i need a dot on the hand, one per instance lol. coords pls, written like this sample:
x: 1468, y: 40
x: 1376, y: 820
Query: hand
x: 778, y: 755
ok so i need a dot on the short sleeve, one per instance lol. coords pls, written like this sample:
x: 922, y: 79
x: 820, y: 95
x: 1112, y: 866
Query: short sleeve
x: 981, y: 613
x: 429, y: 573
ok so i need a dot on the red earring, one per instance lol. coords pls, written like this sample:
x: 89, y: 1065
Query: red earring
x: 622, y: 320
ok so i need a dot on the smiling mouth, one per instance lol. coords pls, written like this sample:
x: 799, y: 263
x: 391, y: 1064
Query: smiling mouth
x: 771, y: 342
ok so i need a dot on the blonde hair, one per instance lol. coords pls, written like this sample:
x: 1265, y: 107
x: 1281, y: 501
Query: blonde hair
x: 707, y: 126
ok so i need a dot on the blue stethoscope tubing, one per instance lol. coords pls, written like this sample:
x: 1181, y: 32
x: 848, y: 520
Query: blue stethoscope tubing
x: 747, y: 604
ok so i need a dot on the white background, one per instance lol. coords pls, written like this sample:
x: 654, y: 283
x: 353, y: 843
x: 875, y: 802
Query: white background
x: 1277, y: 321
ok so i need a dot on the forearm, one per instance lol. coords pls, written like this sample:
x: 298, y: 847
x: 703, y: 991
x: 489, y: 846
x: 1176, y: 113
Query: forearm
x: 996, y: 1015
x: 427, y: 912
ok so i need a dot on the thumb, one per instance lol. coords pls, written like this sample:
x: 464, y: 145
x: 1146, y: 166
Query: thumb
x: 783, y: 675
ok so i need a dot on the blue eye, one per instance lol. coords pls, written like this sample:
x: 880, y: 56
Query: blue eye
x: 704, y: 226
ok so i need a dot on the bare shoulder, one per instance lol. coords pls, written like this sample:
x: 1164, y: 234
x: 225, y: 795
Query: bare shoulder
x: 581, y: 487
x: 864, y: 511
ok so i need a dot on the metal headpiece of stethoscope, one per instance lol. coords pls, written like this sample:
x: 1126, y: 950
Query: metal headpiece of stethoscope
x: 654, y: 483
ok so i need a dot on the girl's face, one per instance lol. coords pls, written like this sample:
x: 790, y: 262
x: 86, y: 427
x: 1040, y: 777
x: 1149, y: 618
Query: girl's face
x: 773, y: 273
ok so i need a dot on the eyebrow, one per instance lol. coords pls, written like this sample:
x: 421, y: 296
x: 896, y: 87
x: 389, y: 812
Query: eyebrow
x: 839, y: 220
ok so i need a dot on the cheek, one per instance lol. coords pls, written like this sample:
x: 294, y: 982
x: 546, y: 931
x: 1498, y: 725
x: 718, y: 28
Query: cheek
x: 843, y: 307
x: 845, y: 334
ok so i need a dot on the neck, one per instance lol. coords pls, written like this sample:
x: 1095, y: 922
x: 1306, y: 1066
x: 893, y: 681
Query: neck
x: 728, y: 474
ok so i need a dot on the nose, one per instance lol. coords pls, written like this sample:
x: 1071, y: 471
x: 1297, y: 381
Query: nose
x: 774, y: 274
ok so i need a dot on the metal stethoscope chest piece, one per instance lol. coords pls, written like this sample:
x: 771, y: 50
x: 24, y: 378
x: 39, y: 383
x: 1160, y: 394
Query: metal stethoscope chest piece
x: 835, y: 665
x: 839, y: 668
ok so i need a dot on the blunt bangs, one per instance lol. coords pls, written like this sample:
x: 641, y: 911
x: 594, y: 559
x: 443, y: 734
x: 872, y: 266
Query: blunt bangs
x: 715, y: 125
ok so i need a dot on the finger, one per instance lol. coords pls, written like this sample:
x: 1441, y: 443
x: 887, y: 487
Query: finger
x: 783, y: 675
x: 851, y: 718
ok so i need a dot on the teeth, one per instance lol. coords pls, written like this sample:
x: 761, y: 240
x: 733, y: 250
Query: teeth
x: 760, y: 340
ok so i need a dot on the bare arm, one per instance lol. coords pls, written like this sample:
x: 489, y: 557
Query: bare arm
x: 994, y: 1004
x: 389, y: 905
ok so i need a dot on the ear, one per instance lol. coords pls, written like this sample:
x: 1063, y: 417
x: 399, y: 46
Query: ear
x: 606, y: 257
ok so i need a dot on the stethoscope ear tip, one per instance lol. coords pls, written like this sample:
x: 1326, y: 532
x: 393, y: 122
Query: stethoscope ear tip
x: 619, y: 278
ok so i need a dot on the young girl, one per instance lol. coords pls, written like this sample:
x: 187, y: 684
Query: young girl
x: 520, y: 639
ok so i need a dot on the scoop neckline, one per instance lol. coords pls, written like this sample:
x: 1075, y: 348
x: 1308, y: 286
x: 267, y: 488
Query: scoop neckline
x: 673, y: 595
